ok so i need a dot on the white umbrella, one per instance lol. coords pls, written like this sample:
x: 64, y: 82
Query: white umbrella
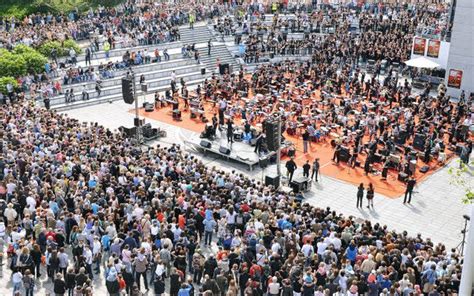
x: 422, y: 62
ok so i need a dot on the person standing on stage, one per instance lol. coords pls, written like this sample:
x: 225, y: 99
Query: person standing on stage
x: 409, y: 191
x: 370, y: 196
x: 306, y: 168
x: 291, y: 167
x: 315, y: 173
x: 360, y: 195
x: 258, y: 143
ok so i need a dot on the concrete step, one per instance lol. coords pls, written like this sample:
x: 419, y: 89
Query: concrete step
x: 109, y: 99
x: 117, y: 89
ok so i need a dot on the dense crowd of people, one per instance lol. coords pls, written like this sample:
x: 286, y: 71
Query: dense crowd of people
x: 77, y: 200
x: 386, y: 34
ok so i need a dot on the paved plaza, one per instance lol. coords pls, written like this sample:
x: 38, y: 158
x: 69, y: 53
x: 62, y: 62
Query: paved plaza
x: 436, y: 209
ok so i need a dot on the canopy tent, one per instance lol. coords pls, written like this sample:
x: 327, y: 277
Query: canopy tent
x: 422, y: 62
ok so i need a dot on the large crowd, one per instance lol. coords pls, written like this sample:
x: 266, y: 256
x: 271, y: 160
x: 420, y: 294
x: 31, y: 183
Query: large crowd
x: 78, y: 199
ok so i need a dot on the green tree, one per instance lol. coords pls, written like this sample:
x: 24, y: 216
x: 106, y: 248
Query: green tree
x: 11, y: 64
x: 462, y: 177
x: 35, y: 61
x: 4, y: 81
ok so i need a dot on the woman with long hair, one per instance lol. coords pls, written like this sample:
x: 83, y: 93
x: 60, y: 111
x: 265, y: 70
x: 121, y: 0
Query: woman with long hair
x: 370, y: 196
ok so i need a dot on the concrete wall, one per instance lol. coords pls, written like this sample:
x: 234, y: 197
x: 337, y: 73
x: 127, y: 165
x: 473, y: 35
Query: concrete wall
x: 461, y: 53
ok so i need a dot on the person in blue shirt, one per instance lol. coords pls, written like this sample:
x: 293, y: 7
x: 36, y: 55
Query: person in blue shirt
x: 185, y: 290
x: 209, y: 226
x: 428, y: 278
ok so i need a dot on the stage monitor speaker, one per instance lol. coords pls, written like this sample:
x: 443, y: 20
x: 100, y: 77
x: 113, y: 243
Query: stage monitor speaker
x: 127, y: 90
x: 224, y: 68
x: 424, y: 169
x: 272, y: 181
x: 203, y: 71
x: 419, y: 142
x: 344, y: 154
x: 205, y: 144
x: 224, y: 150
x: 149, y: 107
x: 402, y: 177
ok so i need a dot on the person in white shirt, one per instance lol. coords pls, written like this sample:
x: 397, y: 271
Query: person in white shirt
x: 274, y: 287
x: 88, y: 256
x: 17, y: 279
x: 307, y: 249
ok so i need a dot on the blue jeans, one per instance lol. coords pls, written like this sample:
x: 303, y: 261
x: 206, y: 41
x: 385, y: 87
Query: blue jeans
x: 207, y: 237
x: 16, y: 287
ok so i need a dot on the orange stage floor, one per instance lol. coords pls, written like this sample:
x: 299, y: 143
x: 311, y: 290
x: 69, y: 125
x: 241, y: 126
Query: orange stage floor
x: 391, y: 187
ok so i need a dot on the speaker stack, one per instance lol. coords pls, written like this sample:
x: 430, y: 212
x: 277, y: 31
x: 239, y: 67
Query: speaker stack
x: 127, y: 90
x: 273, y: 181
x: 271, y: 133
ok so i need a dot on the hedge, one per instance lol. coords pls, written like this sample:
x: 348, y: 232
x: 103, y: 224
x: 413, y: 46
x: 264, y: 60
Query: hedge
x: 61, y: 48
x: 20, y: 61
x: 11, y: 64
x: 3, y: 84
x: 35, y: 61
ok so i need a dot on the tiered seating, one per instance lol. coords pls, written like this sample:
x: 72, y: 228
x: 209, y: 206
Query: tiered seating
x: 157, y: 75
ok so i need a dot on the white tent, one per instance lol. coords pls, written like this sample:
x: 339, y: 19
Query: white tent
x: 422, y: 62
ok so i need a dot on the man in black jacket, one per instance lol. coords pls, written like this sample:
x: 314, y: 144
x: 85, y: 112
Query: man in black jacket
x: 291, y: 167
x: 409, y: 191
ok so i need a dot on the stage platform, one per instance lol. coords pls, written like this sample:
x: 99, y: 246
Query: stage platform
x: 239, y: 151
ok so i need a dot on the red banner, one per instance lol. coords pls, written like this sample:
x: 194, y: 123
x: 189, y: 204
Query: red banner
x: 419, y: 45
x: 433, y: 48
x: 455, y: 78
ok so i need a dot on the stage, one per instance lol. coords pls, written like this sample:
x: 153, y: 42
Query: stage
x: 238, y: 151
x: 390, y: 187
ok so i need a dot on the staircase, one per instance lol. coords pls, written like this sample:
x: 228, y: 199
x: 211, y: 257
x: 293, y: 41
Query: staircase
x: 157, y: 77
x: 199, y: 34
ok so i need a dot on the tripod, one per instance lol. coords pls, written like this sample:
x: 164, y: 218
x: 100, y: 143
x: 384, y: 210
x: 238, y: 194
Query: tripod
x: 460, y: 247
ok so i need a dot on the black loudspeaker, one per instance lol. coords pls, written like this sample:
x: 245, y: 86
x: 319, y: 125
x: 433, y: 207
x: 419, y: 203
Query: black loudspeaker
x: 224, y: 150
x: 205, y: 144
x: 263, y: 162
x: 402, y: 177
x: 149, y: 107
x: 144, y: 87
x: 138, y: 122
x: 344, y: 154
x: 203, y: 71
x: 419, y: 142
x: 272, y: 181
x: 271, y: 133
x: 224, y: 68
x: 127, y: 90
